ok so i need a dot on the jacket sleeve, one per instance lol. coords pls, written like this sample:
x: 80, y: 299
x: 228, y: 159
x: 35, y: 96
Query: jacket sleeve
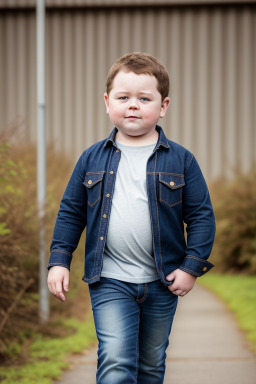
x: 199, y: 218
x: 71, y: 219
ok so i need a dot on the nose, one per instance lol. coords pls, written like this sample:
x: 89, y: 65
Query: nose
x: 134, y: 104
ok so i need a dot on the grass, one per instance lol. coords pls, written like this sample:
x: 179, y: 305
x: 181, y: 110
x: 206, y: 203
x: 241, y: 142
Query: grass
x: 47, y: 355
x: 239, y: 294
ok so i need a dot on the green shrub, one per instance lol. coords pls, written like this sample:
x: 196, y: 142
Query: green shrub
x: 18, y: 241
x: 235, y: 211
x: 19, y: 265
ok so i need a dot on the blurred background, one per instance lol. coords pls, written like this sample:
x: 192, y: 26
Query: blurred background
x: 208, y: 48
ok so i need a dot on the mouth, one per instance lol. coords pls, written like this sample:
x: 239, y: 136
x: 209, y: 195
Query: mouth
x: 132, y: 117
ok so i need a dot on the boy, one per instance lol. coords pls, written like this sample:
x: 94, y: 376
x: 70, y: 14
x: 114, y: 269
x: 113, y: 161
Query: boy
x: 134, y: 191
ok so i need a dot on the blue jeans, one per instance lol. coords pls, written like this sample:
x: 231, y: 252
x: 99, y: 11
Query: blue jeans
x: 133, y: 323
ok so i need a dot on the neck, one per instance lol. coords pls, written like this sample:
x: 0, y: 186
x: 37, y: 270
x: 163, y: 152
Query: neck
x: 137, y: 140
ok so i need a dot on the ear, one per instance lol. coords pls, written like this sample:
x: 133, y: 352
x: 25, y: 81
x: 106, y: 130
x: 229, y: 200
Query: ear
x: 106, y: 99
x: 164, y: 106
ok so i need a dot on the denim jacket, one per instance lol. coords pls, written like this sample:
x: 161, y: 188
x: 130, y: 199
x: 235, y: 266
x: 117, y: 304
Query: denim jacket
x: 177, y: 194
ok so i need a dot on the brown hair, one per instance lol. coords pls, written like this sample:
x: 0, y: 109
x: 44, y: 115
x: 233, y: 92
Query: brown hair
x: 140, y: 63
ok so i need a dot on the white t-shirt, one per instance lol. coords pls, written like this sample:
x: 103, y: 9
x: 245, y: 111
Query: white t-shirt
x: 128, y: 254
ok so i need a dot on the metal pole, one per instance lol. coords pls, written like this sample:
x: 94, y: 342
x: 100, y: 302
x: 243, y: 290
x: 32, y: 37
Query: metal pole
x: 41, y: 160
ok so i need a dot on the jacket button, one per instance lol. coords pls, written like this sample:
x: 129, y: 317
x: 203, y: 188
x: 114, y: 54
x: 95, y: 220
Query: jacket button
x: 107, y: 195
x: 204, y: 269
x: 111, y: 172
x: 101, y: 238
x: 117, y: 150
x: 104, y: 215
x: 89, y: 181
x: 172, y: 183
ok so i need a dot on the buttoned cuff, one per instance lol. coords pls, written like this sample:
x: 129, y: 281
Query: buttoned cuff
x: 61, y: 258
x: 195, y: 265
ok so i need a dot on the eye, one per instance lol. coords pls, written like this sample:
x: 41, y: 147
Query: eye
x: 144, y: 99
x: 123, y: 98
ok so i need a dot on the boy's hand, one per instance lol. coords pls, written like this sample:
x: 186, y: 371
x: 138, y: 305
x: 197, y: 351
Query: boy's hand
x: 58, y: 278
x: 183, y: 282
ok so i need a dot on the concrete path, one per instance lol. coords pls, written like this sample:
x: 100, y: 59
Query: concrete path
x: 206, y: 347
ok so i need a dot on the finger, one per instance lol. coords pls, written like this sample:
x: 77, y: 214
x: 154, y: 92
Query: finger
x: 170, y: 277
x: 66, y: 283
x: 52, y: 288
x: 173, y: 291
x: 49, y: 283
x: 59, y: 292
x: 173, y: 287
x: 177, y: 292
x: 61, y: 296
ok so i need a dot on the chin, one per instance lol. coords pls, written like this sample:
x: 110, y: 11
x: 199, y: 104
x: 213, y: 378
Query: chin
x: 135, y: 134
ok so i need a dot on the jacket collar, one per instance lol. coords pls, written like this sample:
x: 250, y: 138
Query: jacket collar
x: 162, y: 139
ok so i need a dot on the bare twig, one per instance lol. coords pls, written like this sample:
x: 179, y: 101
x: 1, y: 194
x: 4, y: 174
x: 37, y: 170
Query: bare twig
x: 15, y: 302
x: 4, y: 349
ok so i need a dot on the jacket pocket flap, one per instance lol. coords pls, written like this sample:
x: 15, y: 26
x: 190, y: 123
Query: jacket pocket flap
x: 172, y: 181
x: 93, y: 178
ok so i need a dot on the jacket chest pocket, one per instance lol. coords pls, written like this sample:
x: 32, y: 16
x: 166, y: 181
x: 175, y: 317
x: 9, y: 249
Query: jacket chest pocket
x: 93, y: 182
x: 170, y: 188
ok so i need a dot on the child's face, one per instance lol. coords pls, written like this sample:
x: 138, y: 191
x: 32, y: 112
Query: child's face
x: 134, y: 104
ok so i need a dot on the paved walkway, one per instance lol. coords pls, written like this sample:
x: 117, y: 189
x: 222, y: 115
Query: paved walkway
x: 206, y: 347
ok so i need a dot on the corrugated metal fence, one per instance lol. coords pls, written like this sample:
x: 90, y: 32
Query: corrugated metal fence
x: 209, y: 52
